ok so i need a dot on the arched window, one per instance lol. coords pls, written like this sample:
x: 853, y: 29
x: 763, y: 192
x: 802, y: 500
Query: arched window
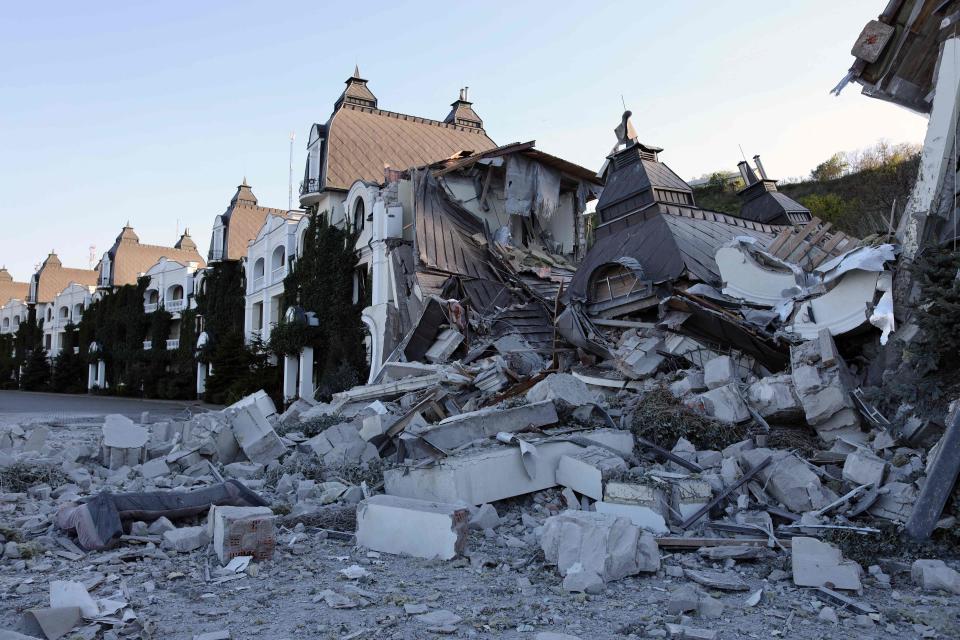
x: 359, y: 214
x: 153, y: 296
x: 16, y: 321
x: 175, y: 292
x: 278, y: 259
x: 77, y: 311
x: 301, y: 240
x: 49, y: 313
x: 258, y: 268
x: 64, y: 312
x: 6, y: 323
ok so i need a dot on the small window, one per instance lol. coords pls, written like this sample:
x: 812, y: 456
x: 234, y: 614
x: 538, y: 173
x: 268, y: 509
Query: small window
x: 359, y: 214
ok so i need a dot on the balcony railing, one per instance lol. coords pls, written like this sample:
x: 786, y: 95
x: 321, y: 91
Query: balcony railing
x: 257, y: 283
x: 278, y: 274
x: 174, y: 305
x: 173, y: 344
x: 311, y: 185
x: 150, y: 307
x: 147, y: 345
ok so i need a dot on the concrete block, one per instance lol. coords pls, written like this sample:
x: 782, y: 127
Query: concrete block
x: 486, y: 423
x: 154, y: 468
x: 789, y: 480
x: 494, y: 473
x: 261, y: 400
x: 585, y: 470
x: 37, y: 438
x: 244, y: 470
x: 443, y: 347
x: 67, y: 593
x: 241, y: 531
x: 895, y: 501
x: 254, y: 434
x: 688, y: 496
x: 603, y: 544
x: 580, y: 580
x: 935, y: 575
x: 723, y: 403
x: 419, y: 528
x: 719, y: 372
x: 862, y: 467
x: 123, y: 443
x: 774, y: 399
x: 376, y: 425
x: 484, y: 517
x: 692, y: 382
x: 644, y: 517
x: 185, y: 539
x: 561, y: 387
x: 820, y: 564
x: 160, y: 526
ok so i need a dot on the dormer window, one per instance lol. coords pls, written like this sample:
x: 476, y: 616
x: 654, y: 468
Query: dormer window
x: 359, y: 215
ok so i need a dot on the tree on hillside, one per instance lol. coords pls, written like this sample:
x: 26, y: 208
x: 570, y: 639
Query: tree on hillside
x: 831, y: 168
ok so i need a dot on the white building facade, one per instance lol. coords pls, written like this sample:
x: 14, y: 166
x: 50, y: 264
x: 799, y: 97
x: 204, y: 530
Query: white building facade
x: 12, y: 314
x: 171, y: 288
x: 266, y: 265
x: 67, y: 308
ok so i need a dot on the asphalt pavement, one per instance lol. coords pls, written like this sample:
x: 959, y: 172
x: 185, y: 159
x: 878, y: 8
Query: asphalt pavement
x: 22, y: 405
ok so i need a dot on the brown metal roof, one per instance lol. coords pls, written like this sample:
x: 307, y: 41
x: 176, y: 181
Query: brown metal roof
x: 129, y: 258
x: 10, y: 290
x: 53, y: 277
x: 363, y: 140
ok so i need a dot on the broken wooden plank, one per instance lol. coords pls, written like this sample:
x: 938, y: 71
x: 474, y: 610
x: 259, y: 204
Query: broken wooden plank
x: 717, y: 580
x: 837, y: 598
x: 723, y: 495
x: 790, y: 246
x: 779, y: 240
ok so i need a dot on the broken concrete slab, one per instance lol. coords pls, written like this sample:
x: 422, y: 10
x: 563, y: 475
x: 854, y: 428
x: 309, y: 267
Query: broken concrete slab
x: 723, y: 403
x: 52, y: 623
x: 447, y: 341
x: 241, y: 531
x: 895, y: 501
x: 862, y: 467
x: 688, y: 496
x: 155, y: 468
x: 823, y: 385
x: 254, y: 434
x: 935, y: 575
x: 484, y: 517
x: 789, y: 480
x: 261, y: 400
x: 340, y: 446
x: 720, y: 580
x: 68, y: 593
x: 820, y: 564
x: 185, y: 539
x: 719, y: 372
x: 644, y: 504
x: 580, y: 580
x: 585, y: 471
x: 420, y: 528
x: 692, y: 382
x: 563, y: 388
x: 494, y: 473
x: 774, y: 398
x: 467, y: 427
x: 606, y: 545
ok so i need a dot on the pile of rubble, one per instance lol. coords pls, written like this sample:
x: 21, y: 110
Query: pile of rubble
x: 642, y: 448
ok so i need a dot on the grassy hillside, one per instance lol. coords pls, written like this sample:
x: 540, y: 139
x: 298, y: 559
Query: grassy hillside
x: 858, y: 203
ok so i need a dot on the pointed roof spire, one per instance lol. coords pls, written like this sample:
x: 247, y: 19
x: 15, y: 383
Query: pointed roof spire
x: 356, y: 92
x: 244, y: 194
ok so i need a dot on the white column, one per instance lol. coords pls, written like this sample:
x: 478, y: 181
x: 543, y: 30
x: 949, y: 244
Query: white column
x: 306, y: 373
x: 201, y: 378
x: 102, y: 374
x: 290, y: 366
x: 91, y: 376
x: 935, y: 158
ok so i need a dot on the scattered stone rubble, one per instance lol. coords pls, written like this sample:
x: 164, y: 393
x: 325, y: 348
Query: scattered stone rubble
x: 487, y: 461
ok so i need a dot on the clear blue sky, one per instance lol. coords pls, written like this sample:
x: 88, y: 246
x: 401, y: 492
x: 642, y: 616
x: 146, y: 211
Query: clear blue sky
x: 153, y: 112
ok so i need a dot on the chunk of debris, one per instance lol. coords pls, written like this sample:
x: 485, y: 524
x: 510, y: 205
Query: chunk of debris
x: 463, y: 428
x: 241, y: 531
x: 775, y: 399
x: 562, y: 388
x: 684, y: 632
x: 68, y: 593
x: 260, y: 443
x: 585, y: 471
x: 185, y: 539
x: 818, y: 564
x: 862, y: 467
x: 124, y: 443
x: 448, y: 340
x: 719, y: 372
x: 935, y: 575
x: 606, y: 545
x: 724, y: 581
x: 419, y: 528
x: 789, y: 480
x: 645, y: 505
x: 821, y: 382
x: 723, y: 403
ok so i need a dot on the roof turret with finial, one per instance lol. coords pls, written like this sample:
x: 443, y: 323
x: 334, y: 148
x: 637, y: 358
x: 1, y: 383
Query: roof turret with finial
x: 462, y: 112
x: 356, y: 92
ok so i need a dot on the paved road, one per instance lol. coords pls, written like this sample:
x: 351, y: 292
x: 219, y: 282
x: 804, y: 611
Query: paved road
x: 17, y: 406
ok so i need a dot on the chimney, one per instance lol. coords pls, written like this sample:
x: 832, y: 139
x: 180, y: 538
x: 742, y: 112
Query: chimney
x: 763, y: 173
x: 749, y: 177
